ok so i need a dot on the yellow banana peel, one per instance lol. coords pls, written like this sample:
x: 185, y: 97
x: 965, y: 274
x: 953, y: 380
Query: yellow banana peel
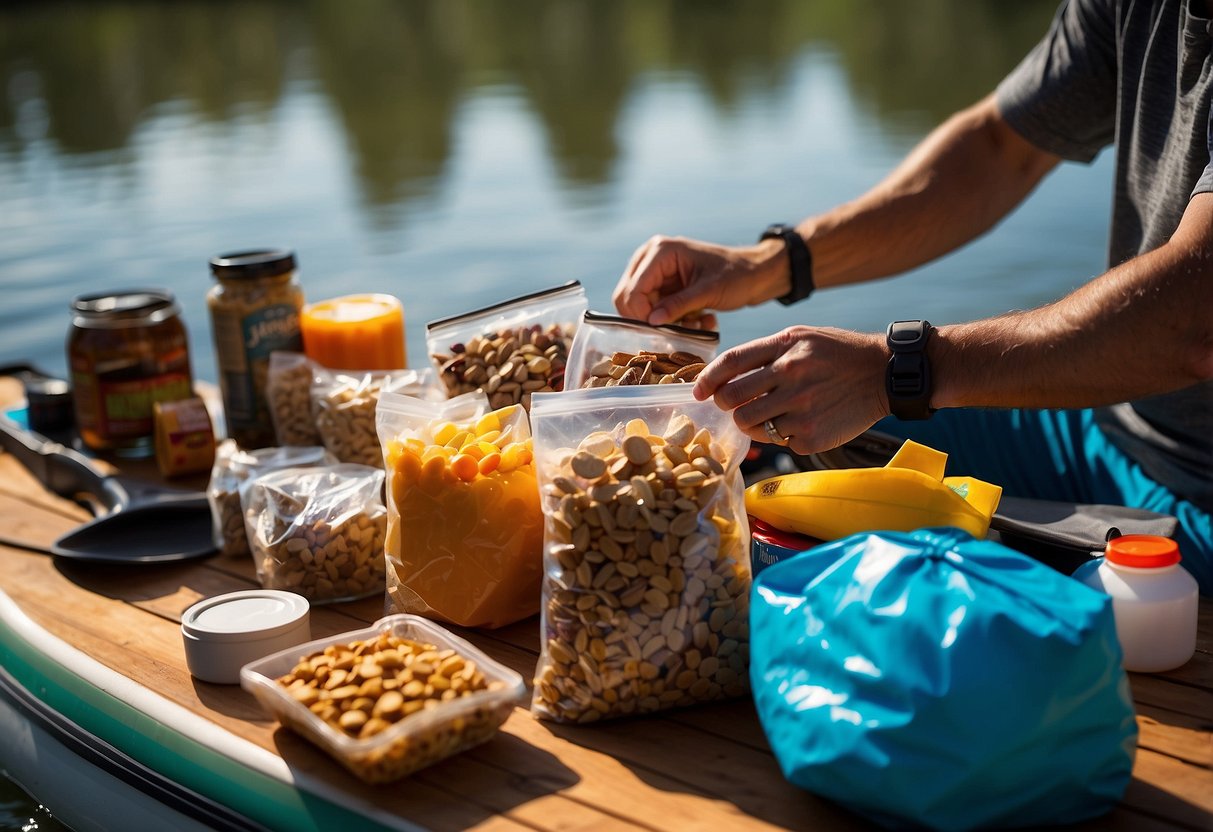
x: 909, y: 493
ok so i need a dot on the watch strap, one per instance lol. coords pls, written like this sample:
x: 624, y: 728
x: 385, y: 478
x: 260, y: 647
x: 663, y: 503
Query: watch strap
x: 800, y: 261
x: 908, y: 378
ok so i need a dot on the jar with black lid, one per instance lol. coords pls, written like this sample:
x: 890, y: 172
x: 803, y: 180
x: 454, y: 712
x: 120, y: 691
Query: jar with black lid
x: 126, y: 350
x: 254, y: 311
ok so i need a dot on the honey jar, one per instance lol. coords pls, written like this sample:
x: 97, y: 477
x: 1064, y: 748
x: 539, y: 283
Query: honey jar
x: 126, y: 350
x: 254, y: 311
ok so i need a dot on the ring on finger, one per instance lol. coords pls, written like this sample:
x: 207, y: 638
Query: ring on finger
x: 773, y: 433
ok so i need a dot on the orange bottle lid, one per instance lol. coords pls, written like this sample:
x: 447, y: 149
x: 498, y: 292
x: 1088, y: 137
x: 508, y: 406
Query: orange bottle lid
x: 1143, y: 551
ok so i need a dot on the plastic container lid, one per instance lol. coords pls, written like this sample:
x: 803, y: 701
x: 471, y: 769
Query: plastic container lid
x: 224, y: 633
x: 1142, y: 551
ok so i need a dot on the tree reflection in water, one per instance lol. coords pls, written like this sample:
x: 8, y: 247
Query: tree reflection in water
x: 85, y: 75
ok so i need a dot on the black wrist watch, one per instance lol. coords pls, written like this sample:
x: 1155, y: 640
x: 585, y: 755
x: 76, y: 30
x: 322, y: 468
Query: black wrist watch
x: 799, y: 258
x: 908, y: 379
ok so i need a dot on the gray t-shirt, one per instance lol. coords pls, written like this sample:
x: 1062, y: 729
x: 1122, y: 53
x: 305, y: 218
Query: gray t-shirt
x: 1137, y: 75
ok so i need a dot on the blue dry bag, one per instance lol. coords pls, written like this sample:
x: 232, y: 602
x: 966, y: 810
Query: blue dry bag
x: 931, y: 679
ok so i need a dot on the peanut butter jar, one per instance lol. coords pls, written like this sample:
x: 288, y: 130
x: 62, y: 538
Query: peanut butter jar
x: 254, y: 310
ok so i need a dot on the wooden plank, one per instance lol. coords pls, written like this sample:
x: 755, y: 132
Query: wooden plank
x: 1176, y: 735
x: 16, y: 481
x: 1159, y: 692
x: 25, y: 523
x: 1164, y: 787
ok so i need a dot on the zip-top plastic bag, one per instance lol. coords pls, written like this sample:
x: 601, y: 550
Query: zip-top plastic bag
x: 233, y: 468
x: 344, y: 401
x: 318, y: 531
x: 646, y: 565
x: 465, y: 532
x: 510, y: 349
x: 610, y: 351
x: 930, y: 679
x: 288, y: 394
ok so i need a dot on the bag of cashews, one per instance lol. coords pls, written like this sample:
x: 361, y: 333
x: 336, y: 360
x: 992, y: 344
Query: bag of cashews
x: 646, y: 565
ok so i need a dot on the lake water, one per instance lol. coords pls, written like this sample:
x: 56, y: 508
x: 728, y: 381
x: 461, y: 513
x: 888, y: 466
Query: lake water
x: 457, y: 153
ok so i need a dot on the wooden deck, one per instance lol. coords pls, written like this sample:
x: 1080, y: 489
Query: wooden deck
x: 705, y: 768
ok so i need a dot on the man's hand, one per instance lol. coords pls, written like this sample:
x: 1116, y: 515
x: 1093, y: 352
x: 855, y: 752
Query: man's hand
x: 821, y: 387
x: 676, y: 280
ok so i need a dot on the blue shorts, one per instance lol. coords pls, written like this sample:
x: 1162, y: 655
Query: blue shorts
x: 1058, y: 455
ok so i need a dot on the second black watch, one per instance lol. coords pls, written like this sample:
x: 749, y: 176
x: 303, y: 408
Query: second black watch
x: 800, y: 261
x: 908, y: 379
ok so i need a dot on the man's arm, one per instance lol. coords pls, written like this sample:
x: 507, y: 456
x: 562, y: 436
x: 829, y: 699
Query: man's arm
x: 1143, y: 328
x: 963, y: 178
x: 968, y: 174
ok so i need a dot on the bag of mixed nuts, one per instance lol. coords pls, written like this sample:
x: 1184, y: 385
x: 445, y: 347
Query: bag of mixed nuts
x: 288, y: 392
x: 318, y: 531
x: 646, y: 565
x: 510, y: 349
x: 610, y: 351
x: 233, y: 468
x: 465, y: 532
x: 344, y: 402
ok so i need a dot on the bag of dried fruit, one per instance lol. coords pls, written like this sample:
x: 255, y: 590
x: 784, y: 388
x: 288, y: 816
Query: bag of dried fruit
x: 610, y: 351
x: 510, y: 349
x: 646, y: 565
x: 465, y: 532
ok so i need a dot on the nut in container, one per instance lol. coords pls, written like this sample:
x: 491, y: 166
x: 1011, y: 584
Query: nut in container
x: 390, y: 699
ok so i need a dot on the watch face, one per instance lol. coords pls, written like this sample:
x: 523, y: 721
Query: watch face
x: 907, y: 333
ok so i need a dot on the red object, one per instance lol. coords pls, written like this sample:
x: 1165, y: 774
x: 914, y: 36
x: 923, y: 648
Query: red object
x: 778, y: 537
x: 1143, y: 551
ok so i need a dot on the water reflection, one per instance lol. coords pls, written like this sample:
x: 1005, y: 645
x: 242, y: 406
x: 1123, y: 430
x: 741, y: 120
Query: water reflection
x: 86, y: 76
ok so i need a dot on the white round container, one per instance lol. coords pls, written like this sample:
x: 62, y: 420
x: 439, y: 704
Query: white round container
x: 1154, y: 601
x: 224, y: 633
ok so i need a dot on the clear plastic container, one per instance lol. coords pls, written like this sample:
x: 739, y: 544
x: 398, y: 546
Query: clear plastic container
x: 1154, y: 601
x: 415, y: 741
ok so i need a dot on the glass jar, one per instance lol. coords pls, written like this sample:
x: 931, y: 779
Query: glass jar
x: 254, y: 311
x: 126, y: 351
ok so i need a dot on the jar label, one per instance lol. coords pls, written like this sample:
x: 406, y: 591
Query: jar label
x: 123, y: 409
x: 266, y: 330
x: 272, y: 328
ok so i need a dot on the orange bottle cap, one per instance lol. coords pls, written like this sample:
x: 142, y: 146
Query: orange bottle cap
x: 1143, y: 551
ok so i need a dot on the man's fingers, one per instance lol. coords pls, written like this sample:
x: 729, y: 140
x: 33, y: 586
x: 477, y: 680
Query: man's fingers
x: 679, y: 304
x: 734, y: 362
x: 742, y: 389
x: 632, y: 293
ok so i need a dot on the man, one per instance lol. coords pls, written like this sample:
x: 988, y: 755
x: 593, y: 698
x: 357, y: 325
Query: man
x: 1105, y: 395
